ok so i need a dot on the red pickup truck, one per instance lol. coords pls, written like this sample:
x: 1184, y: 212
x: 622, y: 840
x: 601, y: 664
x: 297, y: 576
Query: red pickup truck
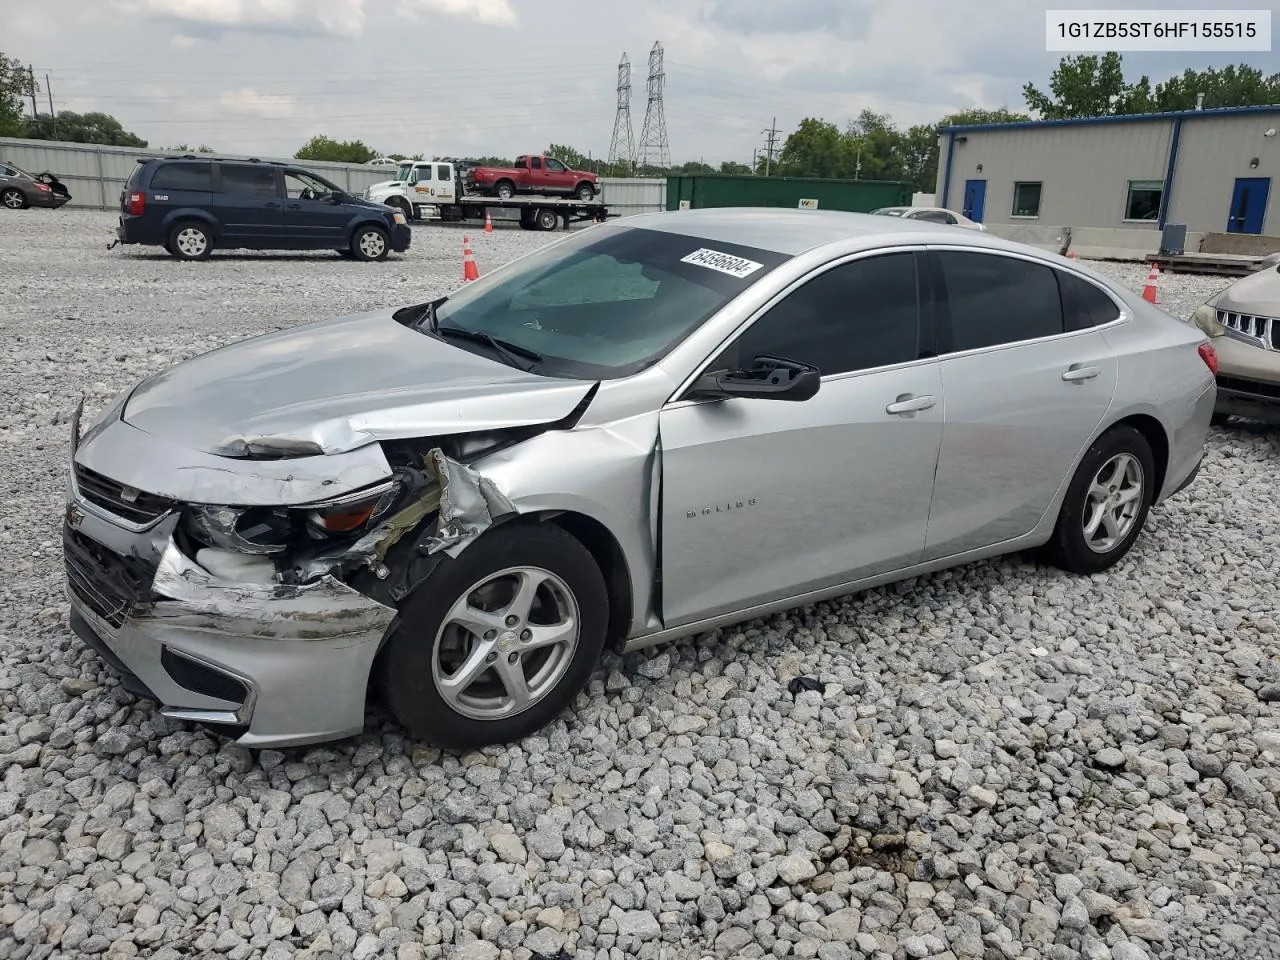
x: 535, y: 174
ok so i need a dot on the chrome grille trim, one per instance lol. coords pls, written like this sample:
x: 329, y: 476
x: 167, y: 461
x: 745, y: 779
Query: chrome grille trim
x: 136, y: 508
x: 1259, y: 331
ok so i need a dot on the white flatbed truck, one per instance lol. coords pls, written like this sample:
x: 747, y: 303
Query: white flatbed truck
x: 426, y: 187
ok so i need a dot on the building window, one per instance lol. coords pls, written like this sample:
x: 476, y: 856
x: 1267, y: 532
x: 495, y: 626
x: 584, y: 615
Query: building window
x: 1026, y: 199
x: 1143, y: 202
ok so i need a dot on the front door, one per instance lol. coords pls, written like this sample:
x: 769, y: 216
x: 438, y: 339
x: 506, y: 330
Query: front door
x: 248, y: 205
x: 975, y: 199
x: 768, y: 499
x: 311, y: 217
x: 558, y: 177
x: 1248, y: 205
x: 1026, y: 390
x: 442, y: 186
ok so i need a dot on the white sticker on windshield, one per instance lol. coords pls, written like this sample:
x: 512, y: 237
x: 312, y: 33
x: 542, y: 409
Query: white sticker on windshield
x: 723, y: 262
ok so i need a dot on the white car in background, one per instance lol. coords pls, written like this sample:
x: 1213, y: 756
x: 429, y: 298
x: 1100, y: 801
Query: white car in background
x: 931, y: 214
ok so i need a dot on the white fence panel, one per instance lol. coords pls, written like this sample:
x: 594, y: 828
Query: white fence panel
x: 95, y: 174
x: 632, y: 195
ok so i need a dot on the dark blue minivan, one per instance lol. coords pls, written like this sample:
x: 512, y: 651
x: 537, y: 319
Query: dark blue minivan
x: 191, y: 205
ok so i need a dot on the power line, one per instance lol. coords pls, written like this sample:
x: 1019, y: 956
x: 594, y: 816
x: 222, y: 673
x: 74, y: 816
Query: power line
x: 622, y: 147
x: 654, y: 148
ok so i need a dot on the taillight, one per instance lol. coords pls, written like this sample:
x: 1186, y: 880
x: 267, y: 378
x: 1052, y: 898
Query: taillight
x: 41, y: 186
x: 1210, y: 357
x: 137, y: 202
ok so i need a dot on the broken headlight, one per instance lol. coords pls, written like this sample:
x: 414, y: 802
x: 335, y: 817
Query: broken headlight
x: 268, y: 530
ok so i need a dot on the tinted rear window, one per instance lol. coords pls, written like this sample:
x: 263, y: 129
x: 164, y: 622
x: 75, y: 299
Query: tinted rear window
x: 249, y: 181
x: 993, y: 299
x: 1084, y: 304
x: 183, y: 176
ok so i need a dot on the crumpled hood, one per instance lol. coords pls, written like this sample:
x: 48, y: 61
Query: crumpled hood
x: 332, y: 386
x: 1257, y: 294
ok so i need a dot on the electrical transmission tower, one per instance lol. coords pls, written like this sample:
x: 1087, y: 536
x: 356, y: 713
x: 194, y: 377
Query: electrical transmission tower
x: 654, y: 149
x: 622, y: 148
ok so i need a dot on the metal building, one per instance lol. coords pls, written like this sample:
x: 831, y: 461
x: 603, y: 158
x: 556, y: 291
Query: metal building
x: 1120, y: 179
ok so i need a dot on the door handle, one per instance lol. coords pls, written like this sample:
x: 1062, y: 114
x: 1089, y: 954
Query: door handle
x: 1079, y: 371
x: 908, y: 404
x: 295, y: 206
x: 271, y: 203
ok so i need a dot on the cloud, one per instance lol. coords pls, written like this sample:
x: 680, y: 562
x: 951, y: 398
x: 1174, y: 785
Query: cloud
x: 268, y: 106
x: 847, y: 18
x: 338, y: 18
x: 493, y: 13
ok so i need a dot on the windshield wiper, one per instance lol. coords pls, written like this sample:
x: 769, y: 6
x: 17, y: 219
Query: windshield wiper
x: 506, y: 348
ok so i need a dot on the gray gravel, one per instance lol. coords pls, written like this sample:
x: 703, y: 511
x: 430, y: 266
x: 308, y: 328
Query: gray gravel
x: 1005, y: 761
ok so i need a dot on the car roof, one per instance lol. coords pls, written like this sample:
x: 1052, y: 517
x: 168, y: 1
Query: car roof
x: 792, y: 232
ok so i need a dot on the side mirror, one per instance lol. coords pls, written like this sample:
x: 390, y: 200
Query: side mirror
x: 338, y: 196
x: 769, y: 378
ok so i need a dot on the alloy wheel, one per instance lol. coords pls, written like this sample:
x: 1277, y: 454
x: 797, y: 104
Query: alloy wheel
x: 372, y: 244
x: 13, y: 199
x: 192, y: 242
x: 1112, y: 502
x: 506, y: 643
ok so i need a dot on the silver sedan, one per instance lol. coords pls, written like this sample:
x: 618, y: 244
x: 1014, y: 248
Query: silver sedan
x: 639, y: 432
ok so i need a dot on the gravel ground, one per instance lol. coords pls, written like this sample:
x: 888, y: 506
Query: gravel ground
x: 1005, y: 761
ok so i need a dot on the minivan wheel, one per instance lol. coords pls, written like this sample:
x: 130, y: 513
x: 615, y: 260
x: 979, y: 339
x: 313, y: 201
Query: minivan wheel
x: 190, y: 241
x: 495, y: 644
x: 13, y: 198
x: 370, y: 243
x: 1106, y: 505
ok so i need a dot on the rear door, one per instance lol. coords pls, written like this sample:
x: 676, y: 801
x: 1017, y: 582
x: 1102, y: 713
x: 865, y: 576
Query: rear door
x: 311, y: 218
x: 1028, y: 378
x: 248, y: 203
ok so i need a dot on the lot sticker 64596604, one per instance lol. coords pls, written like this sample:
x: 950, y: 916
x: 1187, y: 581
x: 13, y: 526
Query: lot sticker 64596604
x: 723, y: 262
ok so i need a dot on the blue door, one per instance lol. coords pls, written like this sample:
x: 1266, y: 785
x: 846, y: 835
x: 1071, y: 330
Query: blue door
x: 975, y: 198
x: 1248, y: 205
x: 248, y: 205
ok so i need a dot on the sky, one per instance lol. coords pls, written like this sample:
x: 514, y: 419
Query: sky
x: 503, y: 77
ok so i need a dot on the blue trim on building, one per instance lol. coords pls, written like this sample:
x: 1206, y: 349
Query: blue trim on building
x: 1120, y: 118
x: 1167, y: 195
x: 946, y: 178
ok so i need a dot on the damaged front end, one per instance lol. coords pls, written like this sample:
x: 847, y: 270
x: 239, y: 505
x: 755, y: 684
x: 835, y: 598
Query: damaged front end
x: 263, y: 621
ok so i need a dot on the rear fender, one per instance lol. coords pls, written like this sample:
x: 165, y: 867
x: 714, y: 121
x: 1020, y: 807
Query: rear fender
x: 190, y: 213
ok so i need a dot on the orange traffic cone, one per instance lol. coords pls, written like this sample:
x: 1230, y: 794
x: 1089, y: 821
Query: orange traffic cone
x: 469, y: 269
x: 488, y: 222
x: 1149, y: 291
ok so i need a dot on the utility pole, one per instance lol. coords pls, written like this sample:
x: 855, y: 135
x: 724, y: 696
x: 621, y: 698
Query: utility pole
x: 770, y: 142
x: 53, y: 117
x: 31, y: 74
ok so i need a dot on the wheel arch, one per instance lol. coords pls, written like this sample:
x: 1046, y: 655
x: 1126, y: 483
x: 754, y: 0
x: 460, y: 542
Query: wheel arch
x: 1153, y: 431
x: 607, y: 553
x: 182, y: 214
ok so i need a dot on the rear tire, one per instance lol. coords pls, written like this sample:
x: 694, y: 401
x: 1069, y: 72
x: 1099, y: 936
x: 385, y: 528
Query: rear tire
x: 1106, y: 505
x: 546, y: 219
x: 504, y: 190
x: 190, y: 240
x: 568, y: 610
x: 13, y: 198
x: 369, y: 242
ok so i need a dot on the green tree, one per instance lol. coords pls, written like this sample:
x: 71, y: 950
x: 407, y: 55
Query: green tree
x: 1235, y: 85
x: 327, y: 149
x: 183, y: 148
x: 734, y: 168
x: 574, y: 159
x: 93, y: 127
x: 816, y: 148
x: 15, y: 85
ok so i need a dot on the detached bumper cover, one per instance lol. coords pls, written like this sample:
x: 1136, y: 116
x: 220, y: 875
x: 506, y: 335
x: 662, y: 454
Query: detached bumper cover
x: 278, y: 665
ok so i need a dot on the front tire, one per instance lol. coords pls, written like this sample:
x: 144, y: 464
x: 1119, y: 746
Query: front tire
x: 370, y: 243
x: 190, y: 240
x: 586, y: 192
x: 496, y: 643
x: 1106, y: 505
x: 13, y: 198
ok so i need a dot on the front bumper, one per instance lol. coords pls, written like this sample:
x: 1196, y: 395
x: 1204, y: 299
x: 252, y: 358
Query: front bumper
x: 1248, y: 380
x: 269, y: 665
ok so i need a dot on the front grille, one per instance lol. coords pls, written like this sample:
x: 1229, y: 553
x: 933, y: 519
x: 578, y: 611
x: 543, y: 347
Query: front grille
x: 114, y: 497
x: 1263, y: 331
x: 111, y: 585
